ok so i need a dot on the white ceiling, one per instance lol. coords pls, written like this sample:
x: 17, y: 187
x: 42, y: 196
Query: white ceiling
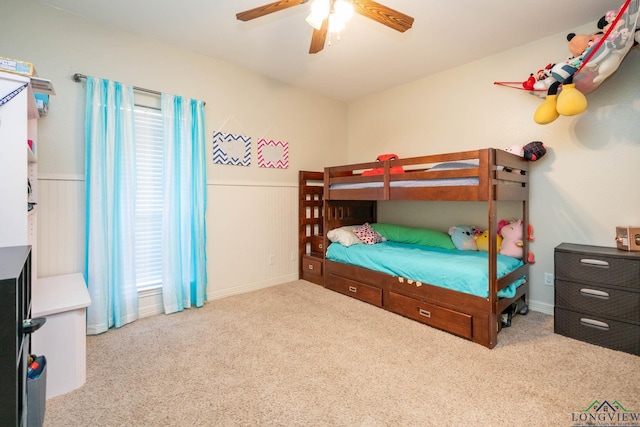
x: 368, y: 58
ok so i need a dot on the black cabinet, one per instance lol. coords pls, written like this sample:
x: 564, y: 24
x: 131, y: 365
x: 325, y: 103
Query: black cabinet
x: 597, y: 296
x: 15, y: 307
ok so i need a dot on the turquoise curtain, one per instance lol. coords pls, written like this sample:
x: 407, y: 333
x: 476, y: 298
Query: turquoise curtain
x: 110, y: 205
x: 184, y: 277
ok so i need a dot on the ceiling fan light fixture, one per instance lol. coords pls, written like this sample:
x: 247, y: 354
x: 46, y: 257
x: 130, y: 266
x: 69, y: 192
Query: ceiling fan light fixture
x: 343, y: 9
x: 315, y: 21
x: 321, y: 8
x: 336, y: 24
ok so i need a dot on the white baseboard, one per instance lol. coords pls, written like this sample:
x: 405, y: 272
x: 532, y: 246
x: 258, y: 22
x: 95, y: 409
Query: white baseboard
x: 150, y: 300
x: 540, y: 307
x: 248, y: 287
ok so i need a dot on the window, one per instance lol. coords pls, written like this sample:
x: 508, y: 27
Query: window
x: 149, y: 197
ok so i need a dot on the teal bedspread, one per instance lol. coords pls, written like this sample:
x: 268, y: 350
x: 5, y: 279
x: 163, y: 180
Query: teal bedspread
x: 462, y: 271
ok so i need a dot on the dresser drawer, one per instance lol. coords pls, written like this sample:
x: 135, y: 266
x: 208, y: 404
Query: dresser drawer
x: 433, y: 315
x: 597, y: 268
x: 598, y: 300
x: 598, y: 330
x: 317, y: 244
x: 363, y: 292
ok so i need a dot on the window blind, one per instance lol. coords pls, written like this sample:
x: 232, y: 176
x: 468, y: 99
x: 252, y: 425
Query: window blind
x: 149, y: 197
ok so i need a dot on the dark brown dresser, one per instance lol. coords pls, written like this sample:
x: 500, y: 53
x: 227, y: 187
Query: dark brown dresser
x: 597, y: 296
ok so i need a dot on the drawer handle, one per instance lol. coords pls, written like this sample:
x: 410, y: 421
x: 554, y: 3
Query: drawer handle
x: 594, y: 324
x: 353, y: 289
x: 320, y: 245
x: 588, y: 262
x: 424, y: 313
x: 310, y: 267
x: 593, y: 293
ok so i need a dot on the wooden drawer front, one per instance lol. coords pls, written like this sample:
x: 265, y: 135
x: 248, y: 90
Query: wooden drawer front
x: 311, y: 265
x: 596, y: 268
x: 317, y: 244
x: 598, y: 330
x: 433, y: 315
x: 598, y: 300
x: 363, y: 292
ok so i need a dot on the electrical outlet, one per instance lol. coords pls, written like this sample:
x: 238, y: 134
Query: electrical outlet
x: 548, y: 279
x: 272, y: 259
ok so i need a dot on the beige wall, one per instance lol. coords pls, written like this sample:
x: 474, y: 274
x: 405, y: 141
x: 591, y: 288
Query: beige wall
x: 581, y: 190
x: 252, y: 211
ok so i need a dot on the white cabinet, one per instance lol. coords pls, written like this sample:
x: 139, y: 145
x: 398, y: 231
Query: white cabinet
x: 63, y: 300
x: 18, y: 164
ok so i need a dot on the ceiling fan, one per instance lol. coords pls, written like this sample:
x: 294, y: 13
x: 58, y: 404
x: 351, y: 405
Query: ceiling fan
x: 367, y: 8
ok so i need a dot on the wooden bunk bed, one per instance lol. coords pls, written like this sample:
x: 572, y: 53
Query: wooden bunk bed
x: 491, y: 177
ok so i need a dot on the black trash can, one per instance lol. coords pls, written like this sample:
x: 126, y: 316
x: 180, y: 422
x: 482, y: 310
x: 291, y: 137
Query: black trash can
x: 37, y: 393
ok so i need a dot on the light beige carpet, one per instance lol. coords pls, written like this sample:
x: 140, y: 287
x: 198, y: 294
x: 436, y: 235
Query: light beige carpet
x: 300, y: 355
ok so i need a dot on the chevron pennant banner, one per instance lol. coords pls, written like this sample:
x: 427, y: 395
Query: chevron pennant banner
x: 231, y: 149
x: 273, y: 154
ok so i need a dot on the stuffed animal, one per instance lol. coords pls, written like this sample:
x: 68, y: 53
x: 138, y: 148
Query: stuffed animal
x: 512, y: 240
x: 464, y: 237
x: 619, y: 34
x: 570, y: 101
x: 512, y: 243
x: 579, y: 43
x: 531, y: 151
x: 380, y: 171
x: 501, y: 224
x: 534, y: 150
x: 482, y: 241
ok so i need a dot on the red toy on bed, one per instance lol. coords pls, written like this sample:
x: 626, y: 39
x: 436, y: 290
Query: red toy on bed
x: 380, y: 171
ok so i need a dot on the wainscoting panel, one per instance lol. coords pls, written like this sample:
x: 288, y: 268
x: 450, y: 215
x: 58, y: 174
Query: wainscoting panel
x: 251, y: 236
x: 251, y: 239
x: 61, y: 226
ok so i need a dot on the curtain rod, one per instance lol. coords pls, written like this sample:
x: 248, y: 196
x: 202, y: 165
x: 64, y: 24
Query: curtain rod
x: 77, y: 77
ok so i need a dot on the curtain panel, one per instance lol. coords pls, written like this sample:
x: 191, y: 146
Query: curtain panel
x: 110, y: 205
x: 110, y: 183
x: 184, y: 275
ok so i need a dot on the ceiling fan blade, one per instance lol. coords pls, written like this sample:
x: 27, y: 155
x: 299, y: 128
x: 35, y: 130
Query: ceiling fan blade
x: 383, y: 14
x: 257, y: 12
x: 319, y: 36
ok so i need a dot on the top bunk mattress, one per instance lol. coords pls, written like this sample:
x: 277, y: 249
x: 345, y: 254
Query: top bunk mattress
x: 462, y: 271
x: 413, y: 183
x: 470, y: 175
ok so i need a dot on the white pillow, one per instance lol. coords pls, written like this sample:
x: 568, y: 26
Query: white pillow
x: 344, y: 236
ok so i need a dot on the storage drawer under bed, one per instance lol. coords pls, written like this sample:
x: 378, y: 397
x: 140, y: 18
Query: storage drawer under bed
x: 439, y: 317
x: 357, y: 290
x: 598, y: 330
